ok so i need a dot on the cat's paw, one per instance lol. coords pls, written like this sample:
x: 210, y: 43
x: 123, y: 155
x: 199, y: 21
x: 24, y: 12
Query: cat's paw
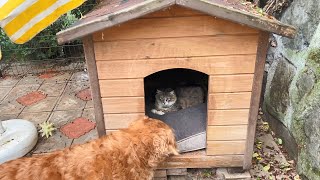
x: 154, y: 111
x: 160, y: 113
x: 157, y: 112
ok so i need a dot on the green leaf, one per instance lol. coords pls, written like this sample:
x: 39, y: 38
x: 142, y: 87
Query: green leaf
x: 279, y: 141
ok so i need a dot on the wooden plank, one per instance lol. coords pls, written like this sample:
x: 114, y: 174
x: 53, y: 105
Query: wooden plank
x: 210, y: 65
x: 94, y: 84
x: 160, y: 173
x: 175, y: 47
x: 172, y: 27
x: 215, y: 8
x: 229, y: 100
x: 84, y: 27
x: 228, y: 117
x: 225, y: 147
x: 120, y: 121
x: 222, y: 133
x: 110, y: 131
x: 202, y: 161
x: 177, y: 172
x: 255, y: 99
x: 123, y: 105
x: 231, y: 83
x: 121, y: 87
x: 173, y: 11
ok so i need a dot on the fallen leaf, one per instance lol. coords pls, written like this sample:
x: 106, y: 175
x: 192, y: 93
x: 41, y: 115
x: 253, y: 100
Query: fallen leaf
x: 266, y: 168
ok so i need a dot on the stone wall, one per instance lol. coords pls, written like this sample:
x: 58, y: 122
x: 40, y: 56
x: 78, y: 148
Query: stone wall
x: 292, y: 93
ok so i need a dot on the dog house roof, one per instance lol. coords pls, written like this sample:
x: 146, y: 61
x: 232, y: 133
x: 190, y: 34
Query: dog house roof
x: 110, y: 13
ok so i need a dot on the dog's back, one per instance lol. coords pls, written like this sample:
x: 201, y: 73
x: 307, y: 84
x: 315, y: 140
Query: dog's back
x: 131, y: 153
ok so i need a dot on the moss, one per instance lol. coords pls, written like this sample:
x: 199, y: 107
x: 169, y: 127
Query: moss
x: 313, y: 61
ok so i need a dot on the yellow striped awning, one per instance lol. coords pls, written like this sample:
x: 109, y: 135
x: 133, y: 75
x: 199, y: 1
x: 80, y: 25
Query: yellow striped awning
x: 21, y: 20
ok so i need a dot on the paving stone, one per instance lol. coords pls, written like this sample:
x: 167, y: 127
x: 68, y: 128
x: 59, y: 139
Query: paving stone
x: 30, y: 79
x: 10, y: 107
x: 69, y: 102
x: 21, y: 90
x: 89, y: 114
x: 59, y: 78
x: 45, y: 105
x: 4, y: 117
x: 93, y: 134
x: 48, y: 75
x: 56, y: 142
x: 77, y: 128
x: 36, y: 118
x: 89, y: 104
x: 3, y: 92
x: 53, y: 89
x: 80, y: 76
x: 31, y: 98
x: 74, y: 87
x: 8, y: 81
x: 60, y: 118
x: 84, y: 94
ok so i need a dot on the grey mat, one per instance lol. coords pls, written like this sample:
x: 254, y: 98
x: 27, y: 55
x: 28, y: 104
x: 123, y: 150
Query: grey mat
x: 189, y: 126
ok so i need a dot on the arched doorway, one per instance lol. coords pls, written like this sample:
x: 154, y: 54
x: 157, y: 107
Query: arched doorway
x: 188, y: 115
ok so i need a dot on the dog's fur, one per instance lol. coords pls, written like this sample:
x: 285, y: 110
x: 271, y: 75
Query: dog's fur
x: 128, y: 154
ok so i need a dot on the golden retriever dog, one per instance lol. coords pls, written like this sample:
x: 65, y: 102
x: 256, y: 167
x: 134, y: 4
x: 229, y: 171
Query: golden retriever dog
x: 128, y: 154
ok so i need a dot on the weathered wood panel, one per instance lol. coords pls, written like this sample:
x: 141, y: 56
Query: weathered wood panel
x: 94, y: 84
x: 172, y: 27
x: 176, y: 47
x: 231, y: 83
x: 210, y: 65
x: 229, y: 100
x: 222, y: 133
x: 225, y: 147
x: 256, y: 92
x: 173, y: 11
x: 194, y: 161
x: 123, y: 105
x: 110, y: 131
x: 228, y: 117
x: 121, y: 87
x: 120, y: 121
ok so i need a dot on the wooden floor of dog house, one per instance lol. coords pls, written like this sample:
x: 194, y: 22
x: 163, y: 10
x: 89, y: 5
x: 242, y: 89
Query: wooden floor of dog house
x: 199, y: 159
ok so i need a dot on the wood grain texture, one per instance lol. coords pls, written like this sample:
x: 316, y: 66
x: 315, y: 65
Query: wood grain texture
x: 197, y: 161
x: 173, y: 11
x: 255, y: 99
x: 215, y: 8
x: 94, y: 84
x: 110, y: 131
x: 209, y: 65
x: 225, y: 147
x: 228, y: 117
x: 172, y: 27
x: 176, y: 47
x: 229, y: 100
x: 231, y: 83
x: 121, y: 87
x: 123, y: 105
x: 222, y: 133
x: 120, y: 121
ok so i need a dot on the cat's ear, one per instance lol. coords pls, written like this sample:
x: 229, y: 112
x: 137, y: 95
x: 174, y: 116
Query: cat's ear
x: 158, y: 91
x: 172, y: 92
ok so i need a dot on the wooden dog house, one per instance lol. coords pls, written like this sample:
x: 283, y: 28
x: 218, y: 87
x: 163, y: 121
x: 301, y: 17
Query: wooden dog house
x: 125, y: 41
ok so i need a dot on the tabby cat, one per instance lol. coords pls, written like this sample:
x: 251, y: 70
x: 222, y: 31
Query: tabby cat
x: 169, y: 100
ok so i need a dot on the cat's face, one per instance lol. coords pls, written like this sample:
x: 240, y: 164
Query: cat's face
x: 166, y: 98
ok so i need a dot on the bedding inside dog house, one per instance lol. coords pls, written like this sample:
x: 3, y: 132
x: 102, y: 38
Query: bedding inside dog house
x: 127, y: 41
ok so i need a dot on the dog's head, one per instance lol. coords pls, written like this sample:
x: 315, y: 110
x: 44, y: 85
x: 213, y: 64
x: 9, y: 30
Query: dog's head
x: 163, y: 135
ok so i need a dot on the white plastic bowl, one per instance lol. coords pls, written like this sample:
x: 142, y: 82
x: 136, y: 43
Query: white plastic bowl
x: 19, y: 138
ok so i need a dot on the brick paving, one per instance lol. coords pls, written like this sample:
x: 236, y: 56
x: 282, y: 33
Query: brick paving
x: 53, y: 98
